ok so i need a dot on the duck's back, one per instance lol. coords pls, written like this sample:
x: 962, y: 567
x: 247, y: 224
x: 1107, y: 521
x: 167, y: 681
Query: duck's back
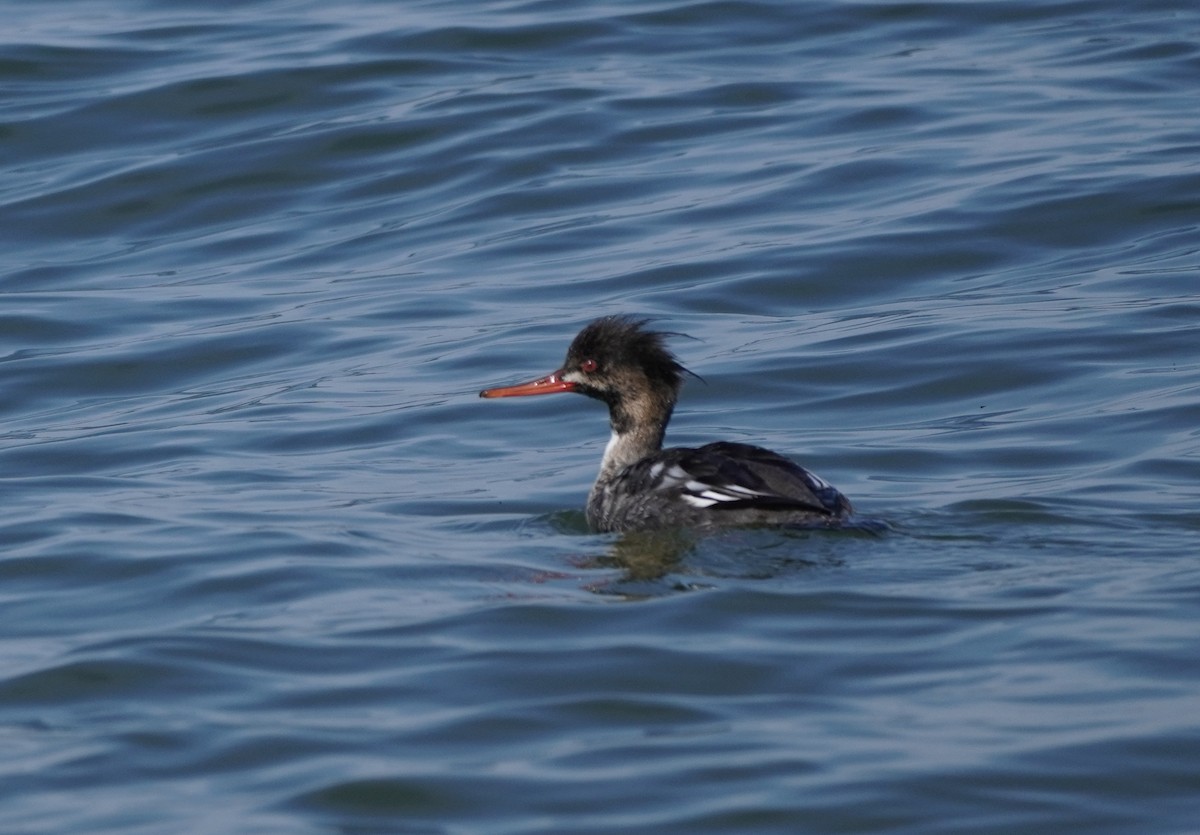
x: 717, y: 485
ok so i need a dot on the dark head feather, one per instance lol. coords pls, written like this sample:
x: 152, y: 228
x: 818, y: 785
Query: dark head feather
x: 616, y: 342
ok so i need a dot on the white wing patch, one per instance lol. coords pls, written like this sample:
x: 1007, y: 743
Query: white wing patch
x: 700, y: 493
x: 821, y: 483
x: 676, y: 474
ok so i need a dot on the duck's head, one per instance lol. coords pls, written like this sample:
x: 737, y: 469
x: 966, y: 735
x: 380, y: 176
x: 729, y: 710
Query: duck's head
x: 619, y: 360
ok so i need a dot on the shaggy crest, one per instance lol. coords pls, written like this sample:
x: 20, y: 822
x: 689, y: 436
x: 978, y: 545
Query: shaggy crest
x: 625, y: 341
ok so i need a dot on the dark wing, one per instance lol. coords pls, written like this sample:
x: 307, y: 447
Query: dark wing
x: 728, y: 476
x: 782, y: 478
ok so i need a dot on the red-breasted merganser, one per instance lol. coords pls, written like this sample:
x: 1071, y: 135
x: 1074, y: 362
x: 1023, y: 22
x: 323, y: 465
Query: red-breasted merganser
x: 642, y: 486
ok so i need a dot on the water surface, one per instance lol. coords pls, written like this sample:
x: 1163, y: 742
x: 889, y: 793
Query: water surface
x: 267, y: 564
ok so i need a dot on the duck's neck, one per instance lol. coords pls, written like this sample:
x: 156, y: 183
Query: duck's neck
x: 638, y: 426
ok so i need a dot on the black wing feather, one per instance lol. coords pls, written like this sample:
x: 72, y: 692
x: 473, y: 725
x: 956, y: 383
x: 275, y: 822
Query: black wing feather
x: 727, y: 477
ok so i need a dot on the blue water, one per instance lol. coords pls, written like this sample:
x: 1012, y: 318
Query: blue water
x: 267, y: 563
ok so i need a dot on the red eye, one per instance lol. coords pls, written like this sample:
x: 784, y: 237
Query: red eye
x: 588, y: 366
